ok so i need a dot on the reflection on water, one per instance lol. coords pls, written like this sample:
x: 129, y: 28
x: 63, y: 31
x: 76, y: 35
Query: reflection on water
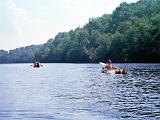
x: 79, y: 92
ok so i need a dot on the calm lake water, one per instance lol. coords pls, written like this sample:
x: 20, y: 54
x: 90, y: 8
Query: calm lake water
x: 79, y: 92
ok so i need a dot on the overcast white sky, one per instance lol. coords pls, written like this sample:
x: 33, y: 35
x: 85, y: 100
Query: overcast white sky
x: 26, y: 22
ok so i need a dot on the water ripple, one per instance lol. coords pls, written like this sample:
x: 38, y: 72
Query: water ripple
x: 61, y: 92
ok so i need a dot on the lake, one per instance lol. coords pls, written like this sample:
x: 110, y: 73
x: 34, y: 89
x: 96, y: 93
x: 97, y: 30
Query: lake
x: 79, y: 92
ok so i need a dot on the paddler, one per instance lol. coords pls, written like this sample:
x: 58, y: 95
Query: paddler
x: 108, y: 66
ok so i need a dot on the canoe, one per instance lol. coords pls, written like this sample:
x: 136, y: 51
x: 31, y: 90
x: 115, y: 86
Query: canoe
x: 115, y: 71
x: 37, y: 66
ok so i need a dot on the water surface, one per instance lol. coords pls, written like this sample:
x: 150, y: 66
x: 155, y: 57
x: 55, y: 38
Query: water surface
x: 79, y: 92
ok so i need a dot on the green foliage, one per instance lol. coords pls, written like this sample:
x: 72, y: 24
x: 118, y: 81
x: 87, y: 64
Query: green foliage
x: 21, y: 55
x: 3, y: 56
x: 130, y: 34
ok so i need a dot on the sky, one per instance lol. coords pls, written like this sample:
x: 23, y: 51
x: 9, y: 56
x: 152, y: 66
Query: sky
x: 27, y: 22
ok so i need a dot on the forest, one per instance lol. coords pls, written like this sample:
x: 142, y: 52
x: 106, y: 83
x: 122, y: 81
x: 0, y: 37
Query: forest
x: 19, y: 55
x: 130, y: 34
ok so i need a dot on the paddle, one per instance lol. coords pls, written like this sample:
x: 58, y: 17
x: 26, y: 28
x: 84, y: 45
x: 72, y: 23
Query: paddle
x: 102, y: 63
x: 106, y: 64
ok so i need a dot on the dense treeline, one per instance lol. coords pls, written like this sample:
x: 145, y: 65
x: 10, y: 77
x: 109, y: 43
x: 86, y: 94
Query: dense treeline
x: 19, y: 55
x: 130, y: 34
